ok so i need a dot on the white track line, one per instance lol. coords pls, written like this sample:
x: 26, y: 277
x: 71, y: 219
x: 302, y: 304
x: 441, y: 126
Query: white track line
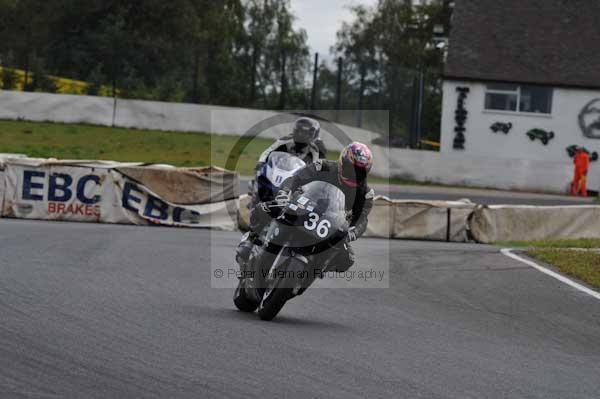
x: 559, y: 277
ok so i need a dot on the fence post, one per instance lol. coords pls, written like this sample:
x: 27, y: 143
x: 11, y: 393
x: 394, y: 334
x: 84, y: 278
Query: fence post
x: 416, y: 110
x: 313, y: 96
x: 338, y: 91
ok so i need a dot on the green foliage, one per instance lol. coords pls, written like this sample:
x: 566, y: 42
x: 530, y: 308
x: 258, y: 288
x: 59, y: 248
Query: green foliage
x: 95, y: 79
x: 177, y: 50
x: 9, y: 79
x: 40, y: 80
x: 228, y: 52
x: 277, y: 56
x: 384, y: 48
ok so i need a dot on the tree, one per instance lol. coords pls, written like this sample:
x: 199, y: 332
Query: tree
x: 40, y: 80
x: 95, y: 81
x: 385, y: 47
x: 23, y: 30
x: 229, y: 52
x: 260, y: 24
x: 280, y: 58
x: 9, y: 79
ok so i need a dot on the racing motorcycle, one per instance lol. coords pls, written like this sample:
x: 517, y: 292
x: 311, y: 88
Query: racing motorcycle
x: 278, y: 167
x: 296, y: 248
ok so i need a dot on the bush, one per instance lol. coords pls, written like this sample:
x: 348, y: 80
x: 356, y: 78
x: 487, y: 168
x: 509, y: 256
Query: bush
x: 95, y: 79
x: 9, y: 79
x: 40, y: 80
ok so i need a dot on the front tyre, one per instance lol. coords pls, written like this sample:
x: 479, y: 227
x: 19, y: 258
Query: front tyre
x: 281, y: 291
x: 241, y: 300
x: 273, y: 302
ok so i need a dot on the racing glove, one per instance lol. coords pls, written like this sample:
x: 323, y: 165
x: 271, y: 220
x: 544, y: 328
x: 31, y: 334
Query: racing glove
x: 351, y: 234
x: 282, y: 198
x: 263, y: 207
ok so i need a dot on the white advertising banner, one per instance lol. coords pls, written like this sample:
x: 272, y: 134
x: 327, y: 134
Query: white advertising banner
x: 55, y: 192
x: 138, y: 203
x: 88, y: 192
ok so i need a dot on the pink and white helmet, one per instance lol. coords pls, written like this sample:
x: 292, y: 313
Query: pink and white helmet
x: 354, y: 164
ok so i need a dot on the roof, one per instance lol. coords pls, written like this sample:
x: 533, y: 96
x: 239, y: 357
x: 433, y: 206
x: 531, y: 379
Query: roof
x: 551, y: 42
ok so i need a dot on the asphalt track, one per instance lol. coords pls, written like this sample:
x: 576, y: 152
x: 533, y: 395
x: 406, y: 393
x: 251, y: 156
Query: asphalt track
x: 103, y: 311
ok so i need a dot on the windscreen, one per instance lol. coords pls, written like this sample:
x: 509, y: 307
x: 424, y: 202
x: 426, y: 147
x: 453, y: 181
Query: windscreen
x: 316, y: 213
x: 285, y: 161
x: 323, y: 197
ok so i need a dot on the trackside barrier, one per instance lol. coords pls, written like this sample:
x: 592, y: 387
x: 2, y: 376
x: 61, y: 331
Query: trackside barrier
x: 420, y: 220
x: 244, y: 213
x: 491, y: 224
x: 458, y: 221
x: 3, y: 158
x: 115, y: 192
x: 427, y: 220
x: 133, y: 193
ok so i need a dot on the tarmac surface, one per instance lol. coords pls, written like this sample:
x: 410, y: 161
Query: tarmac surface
x: 107, y: 311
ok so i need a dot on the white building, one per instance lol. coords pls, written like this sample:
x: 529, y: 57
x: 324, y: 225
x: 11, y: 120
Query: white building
x: 522, y: 80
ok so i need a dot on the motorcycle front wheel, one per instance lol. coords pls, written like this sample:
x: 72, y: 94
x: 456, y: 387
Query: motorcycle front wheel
x: 273, y: 302
x: 281, y: 291
x: 241, y: 300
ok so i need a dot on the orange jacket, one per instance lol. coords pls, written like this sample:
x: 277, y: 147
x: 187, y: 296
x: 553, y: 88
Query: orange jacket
x: 582, y: 162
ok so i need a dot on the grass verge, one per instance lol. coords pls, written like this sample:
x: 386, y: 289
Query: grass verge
x: 582, y: 265
x: 585, y: 243
x: 574, y: 258
x: 76, y: 141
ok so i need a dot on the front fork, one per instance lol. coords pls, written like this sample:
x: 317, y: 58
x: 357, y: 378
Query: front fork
x: 290, y: 270
x: 252, y: 276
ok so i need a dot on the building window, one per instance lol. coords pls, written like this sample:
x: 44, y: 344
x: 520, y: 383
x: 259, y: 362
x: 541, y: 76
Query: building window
x: 507, y: 97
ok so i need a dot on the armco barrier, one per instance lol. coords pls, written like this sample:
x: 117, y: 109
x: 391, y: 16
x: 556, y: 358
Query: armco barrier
x: 112, y: 192
x: 491, y: 224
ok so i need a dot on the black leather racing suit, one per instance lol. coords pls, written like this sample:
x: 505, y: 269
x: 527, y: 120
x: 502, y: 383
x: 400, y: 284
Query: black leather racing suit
x: 359, y: 202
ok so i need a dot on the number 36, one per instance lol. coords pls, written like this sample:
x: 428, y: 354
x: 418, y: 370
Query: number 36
x: 313, y: 223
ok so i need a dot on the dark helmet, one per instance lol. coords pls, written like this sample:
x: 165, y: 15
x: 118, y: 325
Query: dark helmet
x: 354, y: 164
x: 306, y: 130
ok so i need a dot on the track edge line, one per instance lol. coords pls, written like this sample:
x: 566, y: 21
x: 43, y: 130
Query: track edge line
x: 508, y: 252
